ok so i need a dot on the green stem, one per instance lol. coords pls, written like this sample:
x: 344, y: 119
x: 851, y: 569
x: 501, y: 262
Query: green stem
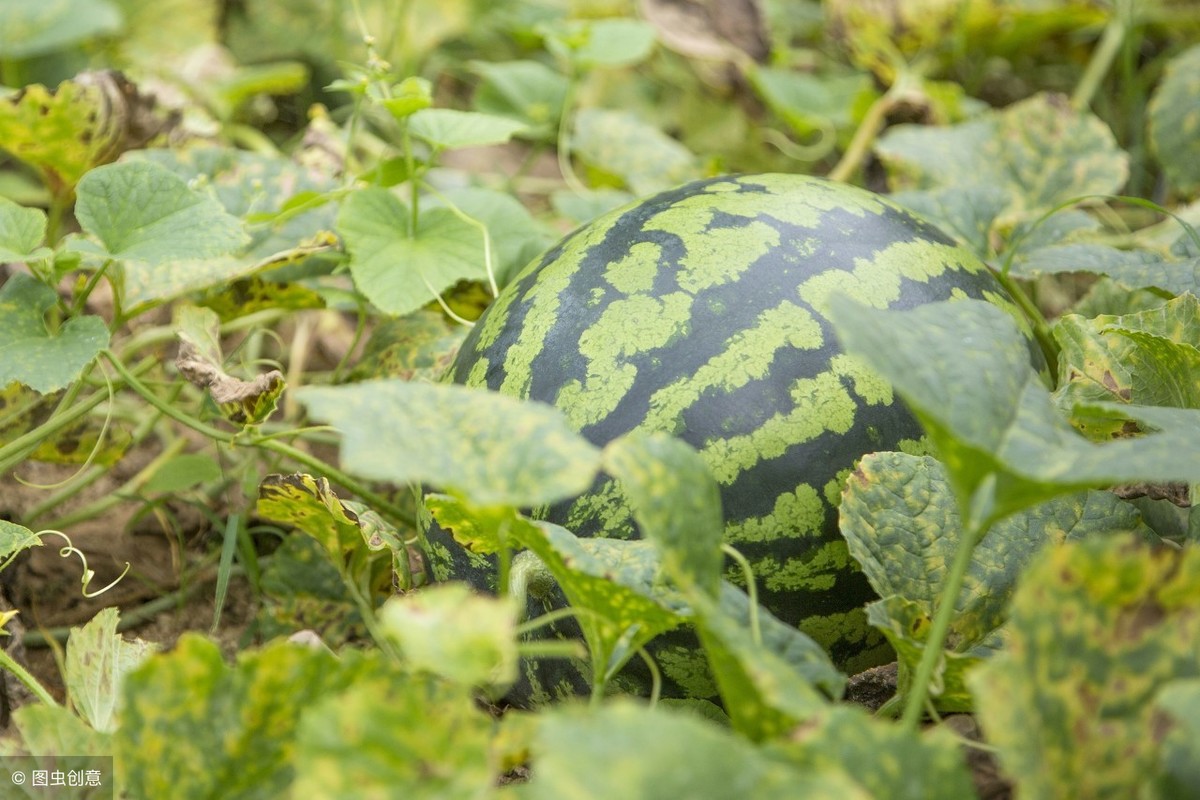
x: 563, y: 143
x: 15, y: 451
x: 947, y: 601
x: 864, y: 136
x: 1041, y: 330
x: 7, y: 662
x: 1102, y: 57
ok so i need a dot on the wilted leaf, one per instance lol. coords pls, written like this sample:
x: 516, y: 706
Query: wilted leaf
x: 492, y: 449
x: 310, y: 505
x: 448, y: 630
x: 1175, y: 120
x: 97, y: 661
x: 42, y: 359
x: 643, y: 157
x: 241, y: 402
x: 1097, y: 628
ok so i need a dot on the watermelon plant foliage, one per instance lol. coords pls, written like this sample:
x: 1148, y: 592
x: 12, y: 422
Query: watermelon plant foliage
x: 272, y: 183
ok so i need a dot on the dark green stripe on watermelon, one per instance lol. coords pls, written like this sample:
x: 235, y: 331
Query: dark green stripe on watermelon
x: 700, y: 312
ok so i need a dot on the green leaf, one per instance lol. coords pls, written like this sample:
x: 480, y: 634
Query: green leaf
x: 1097, y: 628
x: 1175, y: 120
x: 1039, y: 151
x: 303, y: 590
x: 420, y: 346
x: 447, y: 128
x: 635, y: 753
x: 588, y: 44
x: 34, y: 29
x: 193, y: 728
x: 968, y: 213
x: 394, y: 737
x: 619, y: 143
x: 962, y: 367
x: 525, y: 90
x: 22, y: 231
x: 49, y: 731
x: 902, y: 525
x: 767, y: 684
x: 30, y: 353
x: 675, y: 502
x: 810, y: 103
x: 400, y: 271
x: 97, y: 661
x: 310, y: 505
x: 1180, y: 760
x: 141, y: 212
x: 492, y: 449
x: 448, y: 630
x: 516, y: 237
x: 14, y: 538
x: 880, y: 757
x: 1144, y: 358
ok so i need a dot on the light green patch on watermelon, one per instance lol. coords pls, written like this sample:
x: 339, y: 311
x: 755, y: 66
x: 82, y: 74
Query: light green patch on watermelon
x: 495, y: 321
x: 811, y: 200
x: 816, y: 574
x: 607, y: 507
x: 627, y: 327
x: 850, y: 631
x: 478, y: 374
x: 636, y: 271
x: 439, y: 560
x: 915, y: 447
x: 688, y: 667
x: 718, y: 256
x: 794, y: 514
x: 876, y: 281
x: 748, y: 356
x: 535, y: 328
x: 868, y: 384
x: 833, y: 489
x: 822, y: 404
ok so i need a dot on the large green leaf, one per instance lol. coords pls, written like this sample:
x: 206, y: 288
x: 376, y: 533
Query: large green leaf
x: 882, y: 758
x: 97, y: 661
x: 525, y: 90
x: 449, y: 631
x: 1040, y: 151
x: 1175, y: 120
x: 194, y: 728
x: 1133, y: 268
x: 1097, y: 628
x: 492, y: 449
x: 398, y: 269
x: 620, y: 143
x: 515, y: 235
x: 963, y: 369
x: 32, y: 29
x: 43, y: 360
x: 141, y: 212
x: 631, y: 752
x: 588, y: 44
x: 446, y: 128
x: 394, y: 737
x: 968, y: 213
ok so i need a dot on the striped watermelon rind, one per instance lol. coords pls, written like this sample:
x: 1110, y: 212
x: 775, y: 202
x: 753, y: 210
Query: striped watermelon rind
x: 701, y: 312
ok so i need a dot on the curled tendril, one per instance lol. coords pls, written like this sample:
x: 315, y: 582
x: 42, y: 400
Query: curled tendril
x: 95, y: 448
x: 69, y: 549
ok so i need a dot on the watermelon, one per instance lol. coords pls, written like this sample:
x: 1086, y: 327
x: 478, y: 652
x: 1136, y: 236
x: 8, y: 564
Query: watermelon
x: 701, y: 312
